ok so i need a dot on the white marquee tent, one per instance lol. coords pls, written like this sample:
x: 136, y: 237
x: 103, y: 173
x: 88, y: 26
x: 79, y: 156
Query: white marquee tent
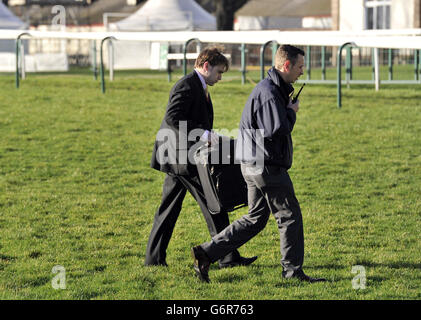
x: 157, y: 15
x: 167, y: 15
x: 9, y: 21
x: 7, y: 47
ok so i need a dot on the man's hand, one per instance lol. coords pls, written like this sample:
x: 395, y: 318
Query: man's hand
x: 294, y: 106
x: 213, y: 138
x: 210, y: 137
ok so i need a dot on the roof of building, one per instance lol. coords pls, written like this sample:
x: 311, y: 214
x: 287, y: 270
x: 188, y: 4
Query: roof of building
x: 285, y: 8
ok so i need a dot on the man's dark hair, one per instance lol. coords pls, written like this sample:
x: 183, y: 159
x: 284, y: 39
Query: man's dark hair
x: 214, y: 56
x: 287, y: 52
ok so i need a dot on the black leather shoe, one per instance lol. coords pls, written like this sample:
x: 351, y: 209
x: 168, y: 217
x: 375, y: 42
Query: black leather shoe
x: 201, y: 263
x: 303, y: 277
x: 242, y: 262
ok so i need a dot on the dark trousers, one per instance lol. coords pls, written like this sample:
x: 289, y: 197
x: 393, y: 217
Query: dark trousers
x: 173, y: 193
x: 270, y: 190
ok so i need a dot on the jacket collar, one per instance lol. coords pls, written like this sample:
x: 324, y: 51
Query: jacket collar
x: 276, y: 78
x: 202, y: 80
x: 195, y: 74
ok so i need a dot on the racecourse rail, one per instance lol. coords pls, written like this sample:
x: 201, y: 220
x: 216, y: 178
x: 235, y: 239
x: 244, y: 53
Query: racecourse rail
x: 375, y: 39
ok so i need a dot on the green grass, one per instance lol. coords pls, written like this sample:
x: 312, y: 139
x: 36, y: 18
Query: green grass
x: 76, y: 190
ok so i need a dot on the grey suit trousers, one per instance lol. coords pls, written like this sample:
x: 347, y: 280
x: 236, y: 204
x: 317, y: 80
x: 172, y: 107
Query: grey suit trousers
x: 270, y: 189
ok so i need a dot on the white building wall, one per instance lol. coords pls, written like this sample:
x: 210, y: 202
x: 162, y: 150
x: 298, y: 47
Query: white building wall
x: 402, y: 14
x: 317, y: 22
x: 244, y: 23
x: 351, y: 15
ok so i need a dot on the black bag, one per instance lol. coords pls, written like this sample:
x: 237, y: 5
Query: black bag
x: 222, y: 182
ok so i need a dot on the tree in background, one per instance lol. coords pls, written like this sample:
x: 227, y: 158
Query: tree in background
x: 224, y: 11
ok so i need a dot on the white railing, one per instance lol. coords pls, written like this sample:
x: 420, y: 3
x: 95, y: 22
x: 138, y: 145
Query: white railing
x: 393, y: 39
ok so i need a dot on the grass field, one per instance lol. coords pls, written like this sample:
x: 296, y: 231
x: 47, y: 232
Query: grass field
x: 76, y: 191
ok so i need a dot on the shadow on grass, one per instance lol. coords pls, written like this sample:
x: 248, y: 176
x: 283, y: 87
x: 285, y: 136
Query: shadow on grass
x: 229, y: 278
x: 367, y: 264
x: 392, y: 265
x: 334, y: 272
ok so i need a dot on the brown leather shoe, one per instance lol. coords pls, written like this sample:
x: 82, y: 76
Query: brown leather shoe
x: 201, y: 263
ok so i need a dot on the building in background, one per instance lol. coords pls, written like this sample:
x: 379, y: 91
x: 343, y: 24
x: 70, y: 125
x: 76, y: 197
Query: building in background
x: 358, y: 15
x: 78, y: 12
x: 284, y: 15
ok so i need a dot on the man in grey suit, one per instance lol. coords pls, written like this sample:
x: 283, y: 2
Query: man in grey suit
x: 187, y: 121
x: 264, y: 147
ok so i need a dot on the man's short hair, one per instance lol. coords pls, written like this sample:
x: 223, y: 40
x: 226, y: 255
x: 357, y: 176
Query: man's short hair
x: 214, y: 56
x: 287, y: 52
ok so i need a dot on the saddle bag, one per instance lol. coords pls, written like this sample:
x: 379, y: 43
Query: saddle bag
x: 220, y: 175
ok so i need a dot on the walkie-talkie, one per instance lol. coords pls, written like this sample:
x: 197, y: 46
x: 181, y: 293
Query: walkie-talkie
x: 294, y: 100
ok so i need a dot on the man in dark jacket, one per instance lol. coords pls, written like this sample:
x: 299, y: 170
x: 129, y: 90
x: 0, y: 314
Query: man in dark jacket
x: 264, y: 147
x: 188, y: 119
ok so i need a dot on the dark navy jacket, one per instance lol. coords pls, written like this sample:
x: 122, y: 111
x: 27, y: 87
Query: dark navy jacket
x: 266, y: 124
